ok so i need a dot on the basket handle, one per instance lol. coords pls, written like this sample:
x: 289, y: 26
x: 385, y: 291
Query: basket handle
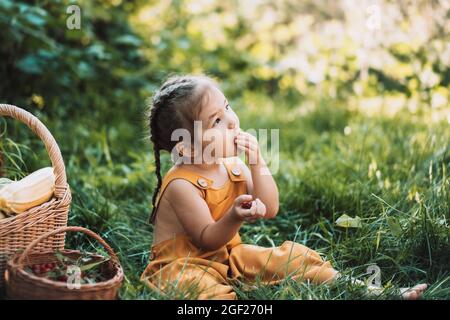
x: 90, y: 233
x: 50, y: 144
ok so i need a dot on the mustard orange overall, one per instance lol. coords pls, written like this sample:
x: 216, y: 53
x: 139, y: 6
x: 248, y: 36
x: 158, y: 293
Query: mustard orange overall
x: 177, y: 264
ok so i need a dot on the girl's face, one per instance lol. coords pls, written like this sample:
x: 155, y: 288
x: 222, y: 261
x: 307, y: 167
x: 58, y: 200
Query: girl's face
x: 220, y: 125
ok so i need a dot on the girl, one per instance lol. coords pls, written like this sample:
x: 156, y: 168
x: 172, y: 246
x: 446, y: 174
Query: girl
x: 200, y: 205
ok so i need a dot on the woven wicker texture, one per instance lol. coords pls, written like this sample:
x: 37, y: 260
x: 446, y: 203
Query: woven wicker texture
x: 19, y: 231
x: 21, y: 284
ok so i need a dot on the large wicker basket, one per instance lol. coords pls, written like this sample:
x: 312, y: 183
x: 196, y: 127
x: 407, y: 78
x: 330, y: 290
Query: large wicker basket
x: 19, y: 231
x: 21, y: 284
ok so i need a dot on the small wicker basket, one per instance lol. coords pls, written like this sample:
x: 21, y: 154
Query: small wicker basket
x: 21, y: 284
x: 18, y: 231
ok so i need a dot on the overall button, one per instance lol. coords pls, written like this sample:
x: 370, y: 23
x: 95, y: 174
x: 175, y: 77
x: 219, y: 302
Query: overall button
x: 202, y: 182
x: 236, y: 171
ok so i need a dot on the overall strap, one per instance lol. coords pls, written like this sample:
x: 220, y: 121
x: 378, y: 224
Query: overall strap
x: 200, y: 182
x: 234, y: 171
x: 235, y: 174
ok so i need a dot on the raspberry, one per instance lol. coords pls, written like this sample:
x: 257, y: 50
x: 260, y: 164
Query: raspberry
x: 62, y: 278
x: 246, y: 205
x: 36, y: 269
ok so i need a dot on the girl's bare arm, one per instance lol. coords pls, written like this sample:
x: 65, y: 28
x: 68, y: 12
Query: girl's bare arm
x: 261, y: 184
x: 259, y: 178
x: 194, y: 215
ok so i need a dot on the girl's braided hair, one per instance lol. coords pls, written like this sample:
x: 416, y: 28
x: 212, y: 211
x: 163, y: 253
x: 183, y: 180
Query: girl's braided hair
x: 176, y: 104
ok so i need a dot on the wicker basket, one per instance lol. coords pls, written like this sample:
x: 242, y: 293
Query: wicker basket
x: 18, y: 231
x: 21, y: 284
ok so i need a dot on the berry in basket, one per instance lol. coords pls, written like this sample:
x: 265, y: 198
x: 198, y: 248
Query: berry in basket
x: 42, y: 275
x: 87, y: 268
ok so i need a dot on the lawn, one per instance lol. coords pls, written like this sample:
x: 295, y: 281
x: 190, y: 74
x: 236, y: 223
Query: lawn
x: 391, y: 171
x: 342, y: 149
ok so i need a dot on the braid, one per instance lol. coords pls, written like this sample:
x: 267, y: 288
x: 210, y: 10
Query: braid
x: 158, y: 187
x: 173, y: 106
x: 156, y: 151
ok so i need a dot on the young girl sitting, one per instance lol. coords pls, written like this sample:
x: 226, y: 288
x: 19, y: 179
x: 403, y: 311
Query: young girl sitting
x: 200, y: 205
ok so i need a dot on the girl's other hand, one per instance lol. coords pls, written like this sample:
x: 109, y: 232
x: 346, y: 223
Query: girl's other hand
x: 260, y: 212
x: 256, y: 211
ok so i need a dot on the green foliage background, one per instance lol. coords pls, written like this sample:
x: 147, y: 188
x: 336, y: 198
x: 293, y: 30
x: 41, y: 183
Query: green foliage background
x: 363, y: 115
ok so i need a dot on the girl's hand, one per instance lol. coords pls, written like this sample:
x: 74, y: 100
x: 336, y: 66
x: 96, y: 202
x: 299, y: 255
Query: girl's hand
x: 249, y: 144
x: 260, y: 211
x: 256, y: 211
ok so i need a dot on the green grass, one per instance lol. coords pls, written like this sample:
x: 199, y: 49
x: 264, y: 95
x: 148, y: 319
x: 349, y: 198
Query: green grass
x: 391, y: 172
